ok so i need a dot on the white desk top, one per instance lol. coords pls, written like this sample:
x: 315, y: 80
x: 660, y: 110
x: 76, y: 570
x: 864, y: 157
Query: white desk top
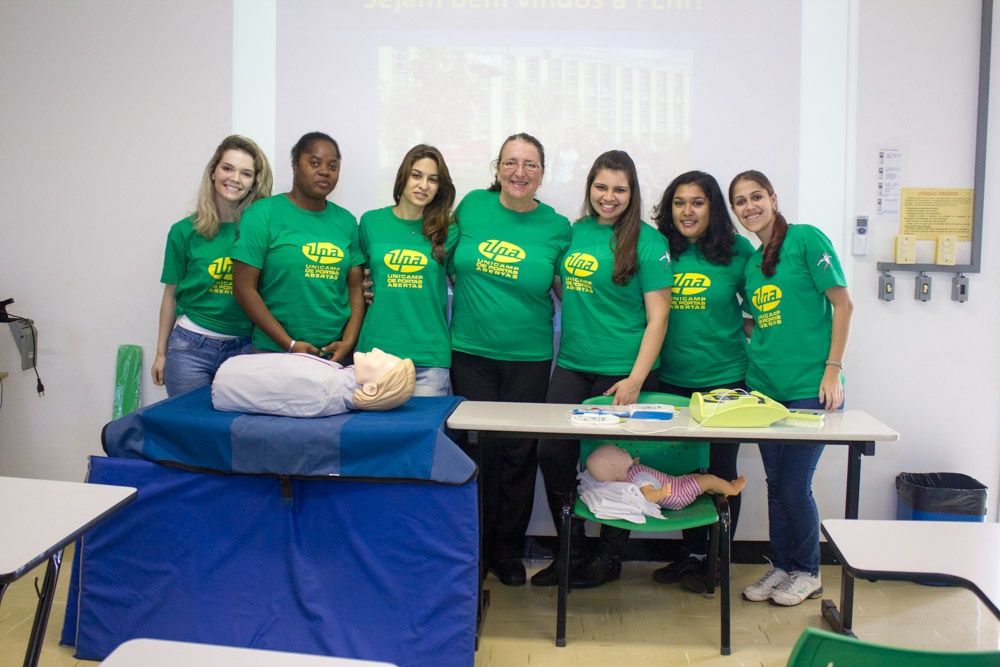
x: 40, y: 517
x: 160, y: 653
x: 956, y: 552
x: 550, y: 419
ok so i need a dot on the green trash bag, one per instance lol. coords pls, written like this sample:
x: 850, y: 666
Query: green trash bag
x: 127, y: 380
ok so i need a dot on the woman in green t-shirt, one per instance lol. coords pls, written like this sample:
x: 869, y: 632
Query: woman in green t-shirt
x: 504, y: 266
x: 706, y: 345
x: 616, y: 278
x: 201, y: 325
x: 297, y: 263
x: 407, y: 247
x: 802, y: 319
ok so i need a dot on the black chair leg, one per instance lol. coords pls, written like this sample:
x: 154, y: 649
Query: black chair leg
x: 725, y: 549
x: 564, y: 556
x: 713, y: 560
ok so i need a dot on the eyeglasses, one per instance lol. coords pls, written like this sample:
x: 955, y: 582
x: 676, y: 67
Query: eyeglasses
x: 512, y: 165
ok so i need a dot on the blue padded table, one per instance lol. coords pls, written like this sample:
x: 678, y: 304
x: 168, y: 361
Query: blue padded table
x: 363, y: 555
x: 406, y: 443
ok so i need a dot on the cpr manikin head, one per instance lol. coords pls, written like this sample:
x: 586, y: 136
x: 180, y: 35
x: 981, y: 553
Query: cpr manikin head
x: 386, y: 380
x: 609, y: 463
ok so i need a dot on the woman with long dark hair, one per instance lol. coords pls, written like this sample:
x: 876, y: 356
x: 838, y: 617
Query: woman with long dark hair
x: 802, y: 320
x: 616, y: 279
x: 407, y: 247
x: 706, y: 345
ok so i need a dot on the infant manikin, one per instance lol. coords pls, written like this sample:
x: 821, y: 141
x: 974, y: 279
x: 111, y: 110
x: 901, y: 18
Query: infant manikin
x: 610, y: 463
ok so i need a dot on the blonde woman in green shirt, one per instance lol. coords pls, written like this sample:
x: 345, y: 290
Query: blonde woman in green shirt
x: 201, y: 325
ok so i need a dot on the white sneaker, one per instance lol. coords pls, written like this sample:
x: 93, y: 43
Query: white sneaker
x: 797, y: 588
x: 761, y: 590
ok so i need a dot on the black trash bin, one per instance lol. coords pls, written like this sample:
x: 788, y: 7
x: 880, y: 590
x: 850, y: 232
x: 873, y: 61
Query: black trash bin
x: 939, y: 496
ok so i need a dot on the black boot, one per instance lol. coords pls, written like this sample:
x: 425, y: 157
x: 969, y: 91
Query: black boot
x: 606, y: 564
x: 549, y: 576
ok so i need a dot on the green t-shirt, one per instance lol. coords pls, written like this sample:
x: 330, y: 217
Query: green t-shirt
x: 409, y: 315
x: 203, y: 273
x: 603, y: 323
x: 794, y: 319
x: 705, y: 345
x: 504, y: 265
x: 304, y: 258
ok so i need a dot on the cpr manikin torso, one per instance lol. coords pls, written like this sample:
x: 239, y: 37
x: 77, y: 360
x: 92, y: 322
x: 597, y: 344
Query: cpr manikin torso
x: 303, y: 385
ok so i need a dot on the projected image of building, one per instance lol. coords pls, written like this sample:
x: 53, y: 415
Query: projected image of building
x: 579, y: 102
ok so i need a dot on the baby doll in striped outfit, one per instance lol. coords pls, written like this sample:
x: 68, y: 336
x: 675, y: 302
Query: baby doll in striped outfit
x: 610, y: 463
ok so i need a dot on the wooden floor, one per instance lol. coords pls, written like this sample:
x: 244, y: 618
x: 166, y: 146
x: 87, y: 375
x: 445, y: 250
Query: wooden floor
x: 634, y: 620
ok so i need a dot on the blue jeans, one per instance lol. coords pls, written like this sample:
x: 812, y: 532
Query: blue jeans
x: 432, y: 381
x: 192, y: 359
x: 793, y: 520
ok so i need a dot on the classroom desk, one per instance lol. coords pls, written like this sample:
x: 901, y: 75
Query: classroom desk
x: 161, y: 653
x: 40, y: 518
x: 960, y: 553
x: 853, y: 428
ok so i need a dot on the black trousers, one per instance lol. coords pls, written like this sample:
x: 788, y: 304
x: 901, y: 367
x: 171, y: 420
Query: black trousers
x: 722, y: 463
x: 508, y: 465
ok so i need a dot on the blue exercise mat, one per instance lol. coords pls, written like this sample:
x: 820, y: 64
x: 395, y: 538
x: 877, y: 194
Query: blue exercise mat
x: 409, y: 442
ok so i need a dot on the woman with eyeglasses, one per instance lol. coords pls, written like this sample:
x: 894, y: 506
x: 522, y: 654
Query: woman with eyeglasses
x: 504, y: 267
x: 616, y: 278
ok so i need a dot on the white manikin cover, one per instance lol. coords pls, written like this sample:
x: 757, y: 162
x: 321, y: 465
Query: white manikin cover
x: 289, y: 385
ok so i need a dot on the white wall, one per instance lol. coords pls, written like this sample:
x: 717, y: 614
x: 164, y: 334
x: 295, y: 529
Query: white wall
x: 111, y: 108
x: 928, y: 369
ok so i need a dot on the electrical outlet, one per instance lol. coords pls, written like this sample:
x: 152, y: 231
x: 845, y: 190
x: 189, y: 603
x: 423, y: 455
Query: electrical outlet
x: 945, y: 252
x: 906, y: 249
x: 960, y: 288
x: 922, y: 289
x: 886, y: 287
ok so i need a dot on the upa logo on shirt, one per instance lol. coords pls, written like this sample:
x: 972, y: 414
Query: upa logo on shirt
x: 689, y: 284
x: 501, y: 251
x: 322, y: 252
x: 221, y: 268
x: 405, y: 260
x: 766, y: 298
x: 580, y: 264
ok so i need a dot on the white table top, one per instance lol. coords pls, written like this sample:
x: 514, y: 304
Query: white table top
x: 957, y: 552
x: 551, y: 419
x: 160, y: 653
x: 40, y: 517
